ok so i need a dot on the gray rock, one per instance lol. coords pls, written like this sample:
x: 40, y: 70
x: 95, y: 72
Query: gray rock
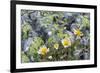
x: 26, y: 44
x: 84, y: 41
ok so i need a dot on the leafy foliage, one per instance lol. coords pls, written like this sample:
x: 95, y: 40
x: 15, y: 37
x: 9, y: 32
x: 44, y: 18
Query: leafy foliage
x: 25, y: 30
x: 24, y: 58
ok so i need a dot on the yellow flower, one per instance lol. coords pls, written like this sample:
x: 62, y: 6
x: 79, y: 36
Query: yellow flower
x: 56, y: 46
x: 66, y: 42
x: 43, y: 50
x: 78, y: 32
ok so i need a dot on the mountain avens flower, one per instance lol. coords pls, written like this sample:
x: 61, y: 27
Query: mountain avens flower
x: 56, y: 46
x: 78, y: 32
x: 43, y: 50
x: 66, y: 42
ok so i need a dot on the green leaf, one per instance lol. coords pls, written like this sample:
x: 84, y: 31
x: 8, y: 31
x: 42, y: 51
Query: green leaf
x: 25, y: 30
x: 24, y: 58
x: 85, y: 22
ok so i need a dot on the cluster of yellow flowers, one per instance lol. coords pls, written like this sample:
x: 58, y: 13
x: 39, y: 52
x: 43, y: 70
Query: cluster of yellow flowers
x: 66, y: 42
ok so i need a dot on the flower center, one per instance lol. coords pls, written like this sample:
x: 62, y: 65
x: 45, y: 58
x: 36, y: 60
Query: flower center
x: 78, y: 32
x: 66, y: 42
x: 43, y: 50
